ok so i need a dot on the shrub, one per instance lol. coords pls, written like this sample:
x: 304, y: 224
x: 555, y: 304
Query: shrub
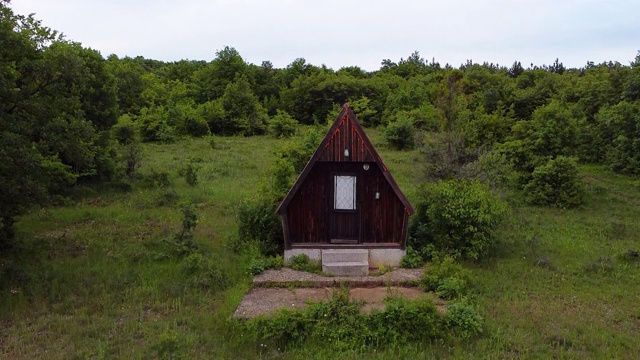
x: 257, y: 220
x: 400, y: 135
x: 448, y: 156
x: 167, y: 198
x: 154, y: 126
x: 125, y: 131
x: 302, y: 262
x: 557, y: 183
x: 338, y: 323
x: 203, y: 273
x: 451, y: 288
x: 181, y: 243
x: 190, y: 171
x: 217, y: 119
x: 458, y: 218
x: 196, y: 126
x: 299, y: 150
x: 156, y: 179
x: 212, y: 141
x: 463, y: 320
x: 404, y: 321
x: 282, y: 125
x: 127, y: 134
x: 282, y: 178
x: 446, y: 277
x: 412, y: 260
x: 260, y: 264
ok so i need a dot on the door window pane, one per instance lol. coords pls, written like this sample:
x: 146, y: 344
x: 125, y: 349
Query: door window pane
x: 345, y: 192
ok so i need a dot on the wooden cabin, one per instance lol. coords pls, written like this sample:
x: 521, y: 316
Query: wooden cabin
x: 345, y: 198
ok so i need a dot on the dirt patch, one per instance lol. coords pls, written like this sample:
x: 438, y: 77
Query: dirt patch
x: 266, y: 300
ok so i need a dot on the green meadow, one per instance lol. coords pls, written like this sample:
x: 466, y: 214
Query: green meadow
x: 92, y: 278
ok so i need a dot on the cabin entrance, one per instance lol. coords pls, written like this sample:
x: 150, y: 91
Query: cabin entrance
x: 344, y: 213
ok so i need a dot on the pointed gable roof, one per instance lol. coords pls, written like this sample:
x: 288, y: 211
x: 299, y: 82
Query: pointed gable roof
x: 346, y: 133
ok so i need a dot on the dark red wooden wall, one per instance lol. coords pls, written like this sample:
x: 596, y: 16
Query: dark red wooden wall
x: 382, y: 221
x: 346, y: 136
x: 309, y: 218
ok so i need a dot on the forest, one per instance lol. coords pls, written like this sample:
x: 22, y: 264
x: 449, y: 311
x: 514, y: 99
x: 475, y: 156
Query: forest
x: 82, y: 133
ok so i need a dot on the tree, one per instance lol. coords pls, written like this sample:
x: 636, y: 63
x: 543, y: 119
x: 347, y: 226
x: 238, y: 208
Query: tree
x: 516, y: 69
x: 619, y: 136
x: 556, y: 183
x: 282, y: 125
x: 129, y: 83
x: 243, y: 109
x: 56, y: 103
x: 632, y: 84
x: 211, y: 81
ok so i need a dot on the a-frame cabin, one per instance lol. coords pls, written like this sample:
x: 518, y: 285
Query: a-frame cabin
x: 345, y: 198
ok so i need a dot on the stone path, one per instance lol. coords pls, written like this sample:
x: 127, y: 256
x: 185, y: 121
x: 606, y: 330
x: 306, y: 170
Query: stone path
x: 275, y: 289
x: 284, y: 276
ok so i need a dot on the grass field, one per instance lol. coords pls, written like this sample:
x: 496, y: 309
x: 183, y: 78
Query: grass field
x: 90, y: 280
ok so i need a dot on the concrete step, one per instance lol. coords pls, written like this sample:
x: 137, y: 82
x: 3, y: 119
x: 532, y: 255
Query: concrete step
x: 346, y: 268
x: 345, y: 255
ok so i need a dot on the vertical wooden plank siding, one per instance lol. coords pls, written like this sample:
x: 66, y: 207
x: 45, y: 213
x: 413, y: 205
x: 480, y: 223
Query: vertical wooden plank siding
x: 346, y: 136
x: 308, y: 213
x: 381, y: 220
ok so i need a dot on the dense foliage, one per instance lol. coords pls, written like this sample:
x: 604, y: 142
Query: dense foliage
x: 458, y: 218
x: 57, y: 102
x: 556, y: 183
x: 340, y: 325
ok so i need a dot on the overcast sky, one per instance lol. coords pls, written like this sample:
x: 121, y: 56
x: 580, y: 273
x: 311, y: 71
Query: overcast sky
x: 351, y: 32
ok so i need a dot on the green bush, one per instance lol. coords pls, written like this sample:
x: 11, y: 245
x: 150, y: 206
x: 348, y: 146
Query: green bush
x: 458, y: 218
x: 282, y: 125
x: 340, y: 325
x: 196, y: 126
x: 400, y: 135
x: 464, y: 320
x: 212, y: 141
x: 557, y: 183
x: 258, y: 220
x: 190, y: 171
x: 404, y: 321
x: 203, y: 273
x: 155, y: 179
x: 301, y: 148
x: 446, y: 277
x: 216, y: 118
x: 451, y: 288
x: 302, y: 262
x: 260, y: 264
x: 181, y: 243
x: 167, y: 198
x: 282, y: 177
x: 154, y: 126
x: 125, y: 131
x: 411, y: 260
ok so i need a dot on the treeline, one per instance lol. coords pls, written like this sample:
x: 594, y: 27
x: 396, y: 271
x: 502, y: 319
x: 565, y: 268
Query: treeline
x: 589, y: 112
x: 70, y: 116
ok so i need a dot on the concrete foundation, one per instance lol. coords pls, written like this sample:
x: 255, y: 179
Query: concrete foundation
x: 389, y: 257
x: 313, y: 254
x: 376, y: 258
